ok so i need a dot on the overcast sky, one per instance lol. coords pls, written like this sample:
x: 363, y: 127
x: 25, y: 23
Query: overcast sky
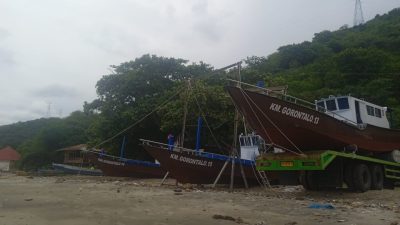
x: 52, y: 52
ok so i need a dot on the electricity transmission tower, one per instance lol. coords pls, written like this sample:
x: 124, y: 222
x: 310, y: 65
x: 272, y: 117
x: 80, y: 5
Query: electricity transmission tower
x: 48, y: 114
x: 358, y: 14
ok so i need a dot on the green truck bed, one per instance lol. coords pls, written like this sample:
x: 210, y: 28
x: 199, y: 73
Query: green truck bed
x: 318, y: 160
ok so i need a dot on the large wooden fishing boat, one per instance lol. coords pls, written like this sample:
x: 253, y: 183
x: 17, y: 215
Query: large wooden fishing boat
x: 335, y: 123
x: 198, y: 167
x: 122, y: 167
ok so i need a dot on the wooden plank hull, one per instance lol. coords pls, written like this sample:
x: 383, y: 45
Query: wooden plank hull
x: 200, y: 168
x: 120, y: 167
x: 293, y: 126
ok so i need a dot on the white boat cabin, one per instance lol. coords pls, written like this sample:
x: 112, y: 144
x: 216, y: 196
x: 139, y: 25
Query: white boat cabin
x: 249, y: 146
x: 353, y: 110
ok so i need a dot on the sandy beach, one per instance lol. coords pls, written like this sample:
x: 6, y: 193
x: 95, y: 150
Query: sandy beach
x: 31, y: 200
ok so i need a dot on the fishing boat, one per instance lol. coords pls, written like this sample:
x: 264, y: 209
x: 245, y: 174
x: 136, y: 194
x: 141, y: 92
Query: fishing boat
x: 199, y: 167
x: 335, y: 123
x: 123, y: 167
x: 69, y: 169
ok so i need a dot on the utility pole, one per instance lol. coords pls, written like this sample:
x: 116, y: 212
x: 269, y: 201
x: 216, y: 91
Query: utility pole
x: 358, y: 14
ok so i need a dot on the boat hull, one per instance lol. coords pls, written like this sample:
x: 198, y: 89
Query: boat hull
x: 299, y: 128
x: 68, y: 169
x: 120, y: 167
x: 200, y: 168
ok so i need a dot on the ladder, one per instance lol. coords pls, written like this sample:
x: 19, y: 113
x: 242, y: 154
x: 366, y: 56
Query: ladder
x: 264, y: 178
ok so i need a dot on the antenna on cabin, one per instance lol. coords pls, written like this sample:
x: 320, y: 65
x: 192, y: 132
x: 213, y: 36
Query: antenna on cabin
x: 358, y: 14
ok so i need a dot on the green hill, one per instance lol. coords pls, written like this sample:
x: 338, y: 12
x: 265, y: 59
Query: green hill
x: 37, y: 140
x: 15, y: 134
x: 363, y: 61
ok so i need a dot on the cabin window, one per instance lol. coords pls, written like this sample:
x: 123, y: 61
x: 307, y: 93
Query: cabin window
x: 321, y: 105
x: 241, y: 139
x: 255, y: 140
x: 370, y: 110
x: 343, y: 103
x: 378, y: 113
x: 331, y: 105
x: 248, y: 141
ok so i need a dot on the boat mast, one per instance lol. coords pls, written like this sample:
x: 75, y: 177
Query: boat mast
x: 185, y: 111
x: 236, y: 120
x: 234, y: 152
x: 122, y: 150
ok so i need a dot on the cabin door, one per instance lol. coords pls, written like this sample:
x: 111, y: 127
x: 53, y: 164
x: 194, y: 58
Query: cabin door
x: 358, y: 116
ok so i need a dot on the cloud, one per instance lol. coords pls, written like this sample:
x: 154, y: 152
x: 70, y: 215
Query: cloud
x: 3, y: 33
x: 6, y: 58
x: 55, y: 51
x: 56, y: 91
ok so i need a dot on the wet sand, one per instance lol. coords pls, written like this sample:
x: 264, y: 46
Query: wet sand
x: 84, y: 200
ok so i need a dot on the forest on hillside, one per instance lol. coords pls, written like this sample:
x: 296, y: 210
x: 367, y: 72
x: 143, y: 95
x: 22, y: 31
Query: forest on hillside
x: 363, y: 61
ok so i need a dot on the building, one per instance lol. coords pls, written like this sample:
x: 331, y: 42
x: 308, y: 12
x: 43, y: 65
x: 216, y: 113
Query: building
x: 73, y: 155
x: 8, y: 156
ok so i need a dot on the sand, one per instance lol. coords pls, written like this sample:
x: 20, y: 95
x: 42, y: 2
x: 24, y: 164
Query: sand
x: 114, y: 201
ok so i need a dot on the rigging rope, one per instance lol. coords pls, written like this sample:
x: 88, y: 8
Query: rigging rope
x: 245, y: 95
x: 205, y: 120
x: 140, y: 120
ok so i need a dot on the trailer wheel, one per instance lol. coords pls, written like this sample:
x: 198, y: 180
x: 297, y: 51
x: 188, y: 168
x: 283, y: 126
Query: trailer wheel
x: 310, y: 180
x: 303, y: 180
x: 388, y: 184
x: 376, y: 177
x: 348, y: 176
x: 362, y: 177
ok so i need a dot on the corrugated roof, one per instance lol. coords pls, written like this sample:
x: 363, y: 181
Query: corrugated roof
x: 9, y: 153
x: 73, y: 148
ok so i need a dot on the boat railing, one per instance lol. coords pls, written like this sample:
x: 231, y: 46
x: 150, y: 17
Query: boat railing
x: 165, y: 146
x: 301, y: 102
x: 106, y: 156
x: 176, y: 148
x: 113, y: 157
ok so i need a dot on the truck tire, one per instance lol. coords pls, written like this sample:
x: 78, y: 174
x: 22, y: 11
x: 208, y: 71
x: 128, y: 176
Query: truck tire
x: 376, y: 177
x: 348, y: 176
x: 362, y: 177
x: 310, y: 180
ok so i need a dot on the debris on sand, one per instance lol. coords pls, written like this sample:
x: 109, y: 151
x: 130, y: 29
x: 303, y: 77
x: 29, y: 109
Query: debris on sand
x: 221, y: 217
x: 59, y: 180
x: 291, y: 223
x: 230, y: 218
x: 321, y: 206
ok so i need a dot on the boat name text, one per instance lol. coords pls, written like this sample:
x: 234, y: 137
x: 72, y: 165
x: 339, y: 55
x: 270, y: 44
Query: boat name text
x: 191, y: 161
x: 294, y: 113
